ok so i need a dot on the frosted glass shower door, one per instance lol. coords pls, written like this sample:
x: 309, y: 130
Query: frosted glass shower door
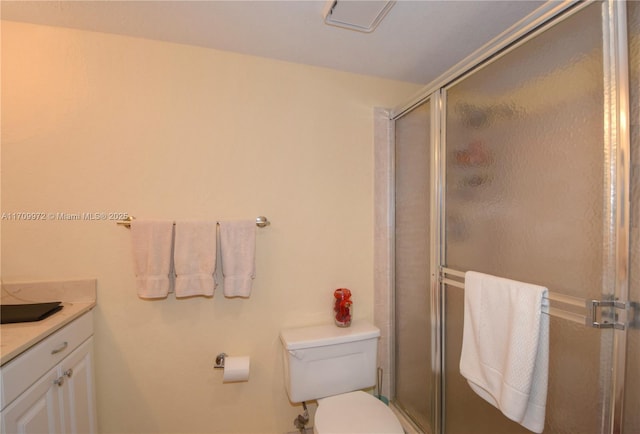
x: 413, y: 341
x: 526, y: 159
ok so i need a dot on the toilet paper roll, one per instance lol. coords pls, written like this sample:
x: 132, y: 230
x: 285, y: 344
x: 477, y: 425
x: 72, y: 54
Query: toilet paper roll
x: 236, y: 369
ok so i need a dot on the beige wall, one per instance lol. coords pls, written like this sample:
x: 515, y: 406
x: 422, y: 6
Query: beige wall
x: 103, y: 123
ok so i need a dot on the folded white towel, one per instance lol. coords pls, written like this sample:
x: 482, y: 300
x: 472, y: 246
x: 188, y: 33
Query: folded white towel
x: 151, y: 242
x: 505, y: 346
x: 238, y: 251
x: 194, y: 258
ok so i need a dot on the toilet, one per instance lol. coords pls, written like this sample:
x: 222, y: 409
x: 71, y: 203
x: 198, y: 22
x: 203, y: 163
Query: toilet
x: 331, y: 364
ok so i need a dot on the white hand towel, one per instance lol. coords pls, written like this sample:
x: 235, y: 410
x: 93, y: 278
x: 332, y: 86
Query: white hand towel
x: 505, y: 346
x: 194, y: 258
x: 238, y: 251
x: 151, y: 242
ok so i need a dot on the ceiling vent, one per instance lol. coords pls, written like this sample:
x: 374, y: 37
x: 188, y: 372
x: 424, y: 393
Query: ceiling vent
x: 363, y: 15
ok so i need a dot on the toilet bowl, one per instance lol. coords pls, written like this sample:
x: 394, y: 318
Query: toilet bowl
x: 355, y: 413
x: 332, y: 365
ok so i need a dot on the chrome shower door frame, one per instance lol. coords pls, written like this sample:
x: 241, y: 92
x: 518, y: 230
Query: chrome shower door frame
x: 615, y: 194
x: 617, y: 141
x: 616, y: 190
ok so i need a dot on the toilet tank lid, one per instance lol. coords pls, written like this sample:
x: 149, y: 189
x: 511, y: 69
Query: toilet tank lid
x: 329, y: 334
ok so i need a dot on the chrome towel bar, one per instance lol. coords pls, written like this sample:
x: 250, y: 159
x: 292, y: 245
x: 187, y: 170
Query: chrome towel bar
x: 261, y: 221
x: 452, y: 277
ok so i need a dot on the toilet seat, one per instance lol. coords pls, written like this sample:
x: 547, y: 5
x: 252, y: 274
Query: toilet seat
x: 355, y: 412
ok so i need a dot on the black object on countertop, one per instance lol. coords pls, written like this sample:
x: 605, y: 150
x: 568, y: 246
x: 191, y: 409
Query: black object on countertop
x: 14, y: 313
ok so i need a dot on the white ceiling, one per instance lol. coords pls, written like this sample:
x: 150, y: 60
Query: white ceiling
x: 416, y: 42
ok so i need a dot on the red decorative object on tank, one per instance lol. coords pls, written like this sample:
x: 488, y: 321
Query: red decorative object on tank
x: 342, y: 307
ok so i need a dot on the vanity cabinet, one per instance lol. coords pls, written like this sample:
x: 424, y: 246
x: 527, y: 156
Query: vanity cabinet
x: 50, y: 388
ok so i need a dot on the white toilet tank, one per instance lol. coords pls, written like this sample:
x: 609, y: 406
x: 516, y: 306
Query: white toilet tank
x: 326, y: 360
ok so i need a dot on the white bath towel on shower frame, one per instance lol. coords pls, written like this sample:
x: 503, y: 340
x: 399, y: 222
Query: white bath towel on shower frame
x: 505, y: 346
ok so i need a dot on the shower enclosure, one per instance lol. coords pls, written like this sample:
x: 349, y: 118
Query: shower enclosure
x: 523, y: 163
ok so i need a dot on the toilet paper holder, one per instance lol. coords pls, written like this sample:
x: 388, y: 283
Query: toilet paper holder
x: 220, y: 360
x: 236, y: 369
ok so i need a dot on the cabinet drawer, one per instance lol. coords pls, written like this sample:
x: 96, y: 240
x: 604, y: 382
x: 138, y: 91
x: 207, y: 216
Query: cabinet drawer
x: 20, y: 373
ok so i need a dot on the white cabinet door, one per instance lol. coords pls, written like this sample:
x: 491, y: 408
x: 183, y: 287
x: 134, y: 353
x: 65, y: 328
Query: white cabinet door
x: 61, y: 401
x: 79, y: 395
x: 37, y: 410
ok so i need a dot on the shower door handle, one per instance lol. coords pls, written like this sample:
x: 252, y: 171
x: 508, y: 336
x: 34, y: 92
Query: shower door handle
x: 593, y: 306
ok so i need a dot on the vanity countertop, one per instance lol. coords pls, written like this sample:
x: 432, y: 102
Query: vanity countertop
x: 77, y: 297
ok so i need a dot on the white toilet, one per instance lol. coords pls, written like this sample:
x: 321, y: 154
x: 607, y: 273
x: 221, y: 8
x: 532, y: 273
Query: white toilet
x: 331, y: 364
